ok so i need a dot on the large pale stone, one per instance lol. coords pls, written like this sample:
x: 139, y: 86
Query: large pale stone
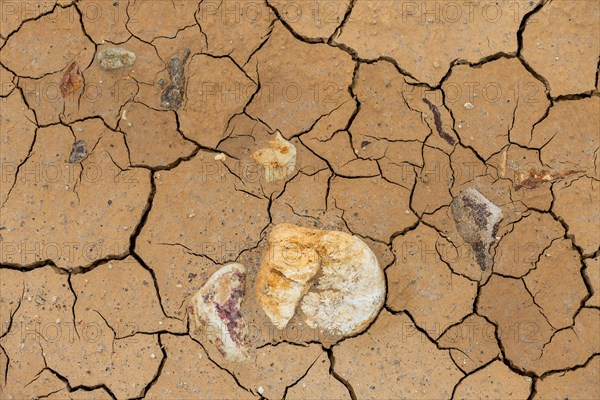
x: 217, y: 307
x: 334, y: 276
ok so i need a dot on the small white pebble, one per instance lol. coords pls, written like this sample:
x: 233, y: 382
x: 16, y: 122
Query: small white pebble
x: 469, y: 106
x: 109, y: 266
x: 260, y: 390
x: 192, y: 215
x: 152, y: 355
x: 220, y: 157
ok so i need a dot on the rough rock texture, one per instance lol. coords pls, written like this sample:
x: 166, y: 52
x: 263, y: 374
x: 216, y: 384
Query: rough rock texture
x: 79, y: 152
x: 477, y: 221
x: 115, y: 58
x: 342, y: 299
x: 558, y: 34
x: 72, y: 80
x: 215, y: 310
x: 422, y: 284
x: 494, y: 381
x: 278, y: 159
x: 394, y: 347
x: 449, y: 30
x: 174, y: 92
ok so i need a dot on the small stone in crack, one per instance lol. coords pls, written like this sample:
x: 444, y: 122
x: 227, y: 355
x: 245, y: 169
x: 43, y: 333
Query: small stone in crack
x: 72, y: 80
x: 115, y: 58
x: 334, y: 277
x: 278, y: 159
x: 216, y: 312
x: 78, y: 152
x: 477, y: 221
x: 173, y: 94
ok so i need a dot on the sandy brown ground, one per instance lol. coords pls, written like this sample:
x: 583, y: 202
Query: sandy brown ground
x: 100, y: 257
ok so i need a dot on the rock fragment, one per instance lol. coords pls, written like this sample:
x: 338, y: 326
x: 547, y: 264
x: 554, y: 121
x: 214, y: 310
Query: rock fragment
x: 216, y: 312
x: 115, y: 58
x: 71, y: 80
x: 172, y: 96
x: 78, y: 152
x: 334, y: 277
x: 477, y: 221
x: 278, y: 160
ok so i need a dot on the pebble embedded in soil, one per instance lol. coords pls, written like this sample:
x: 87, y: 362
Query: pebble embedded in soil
x: 278, y: 159
x: 334, y: 277
x: 477, y: 221
x: 216, y: 312
x: 173, y: 94
x: 78, y: 152
x: 115, y: 58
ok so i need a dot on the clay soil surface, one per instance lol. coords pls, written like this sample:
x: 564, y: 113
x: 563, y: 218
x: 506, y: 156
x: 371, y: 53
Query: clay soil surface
x: 394, y: 108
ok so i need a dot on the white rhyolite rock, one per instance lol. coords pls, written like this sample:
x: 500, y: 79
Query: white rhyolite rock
x: 333, y: 276
x: 216, y: 312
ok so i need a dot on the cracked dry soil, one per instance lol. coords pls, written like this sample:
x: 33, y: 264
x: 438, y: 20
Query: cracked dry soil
x: 123, y: 190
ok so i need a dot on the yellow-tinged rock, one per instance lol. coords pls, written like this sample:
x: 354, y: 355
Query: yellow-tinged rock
x: 334, y: 277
